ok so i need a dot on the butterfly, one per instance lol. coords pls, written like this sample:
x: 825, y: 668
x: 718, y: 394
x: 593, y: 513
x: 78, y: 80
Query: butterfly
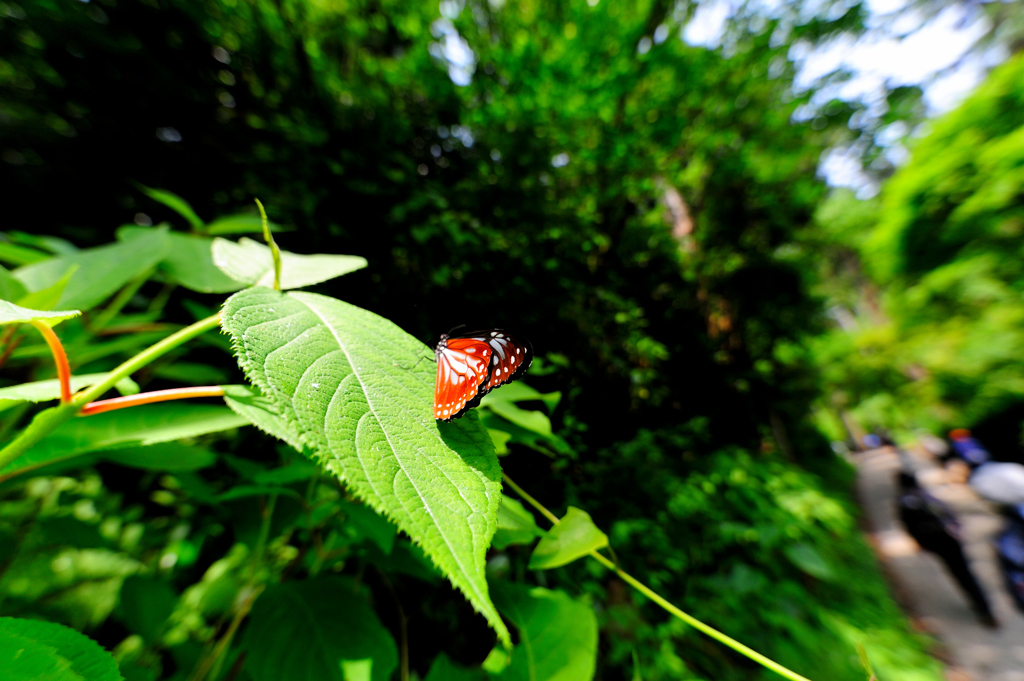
x: 471, y: 365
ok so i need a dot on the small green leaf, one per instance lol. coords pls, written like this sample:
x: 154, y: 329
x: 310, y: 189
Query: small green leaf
x: 42, y: 391
x: 239, y: 224
x: 496, y: 661
x: 534, y: 421
x: 573, y: 538
x: 47, y: 298
x: 500, y: 439
x: 175, y: 203
x: 13, y: 314
x: 443, y: 669
x: 335, y: 374
x: 807, y: 558
x: 521, y: 392
x: 311, y: 629
x: 145, y: 425
x: 516, y: 525
x: 251, y: 263
x: 557, y: 635
x: 79, y: 656
x: 10, y: 288
x: 101, y: 271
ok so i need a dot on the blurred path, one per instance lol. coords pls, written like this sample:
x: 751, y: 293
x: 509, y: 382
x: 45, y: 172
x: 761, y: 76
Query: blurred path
x: 930, y: 596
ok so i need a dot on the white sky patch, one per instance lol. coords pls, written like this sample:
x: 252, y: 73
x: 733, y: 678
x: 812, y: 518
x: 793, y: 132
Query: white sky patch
x: 898, y: 55
x: 451, y: 47
x: 708, y: 22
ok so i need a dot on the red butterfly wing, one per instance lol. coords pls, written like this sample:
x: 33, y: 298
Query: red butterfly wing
x: 463, y: 365
x: 471, y: 366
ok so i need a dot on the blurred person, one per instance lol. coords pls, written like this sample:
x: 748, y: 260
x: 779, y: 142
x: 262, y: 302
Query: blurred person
x: 1010, y: 550
x: 999, y: 481
x: 935, y: 528
x: 871, y: 441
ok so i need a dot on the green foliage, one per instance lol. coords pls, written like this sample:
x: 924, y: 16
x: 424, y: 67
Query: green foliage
x: 785, y: 569
x: 42, y: 651
x: 319, y: 629
x: 557, y: 635
x: 146, y: 425
x: 335, y: 373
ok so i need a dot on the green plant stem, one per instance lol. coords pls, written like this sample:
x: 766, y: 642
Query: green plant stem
x: 673, y: 610
x: 275, y: 252
x: 145, y: 357
x: 46, y: 421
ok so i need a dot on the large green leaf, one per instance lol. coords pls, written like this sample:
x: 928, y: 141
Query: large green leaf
x: 321, y: 628
x: 13, y: 314
x: 145, y: 604
x: 51, y: 651
x: 146, y: 425
x: 100, y: 271
x: 23, y: 659
x: 188, y: 261
x: 573, y: 538
x: 337, y: 374
x: 250, y: 262
x: 557, y: 635
x: 13, y: 254
x: 172, y: 457
x: 10, y: 288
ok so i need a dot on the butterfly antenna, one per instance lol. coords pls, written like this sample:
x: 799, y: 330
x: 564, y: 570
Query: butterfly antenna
x: 460, y: 326
x: 413, y: 366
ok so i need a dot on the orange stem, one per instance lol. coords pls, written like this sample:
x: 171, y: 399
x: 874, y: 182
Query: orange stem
x: 60, y: 358
x: 101, y: 406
